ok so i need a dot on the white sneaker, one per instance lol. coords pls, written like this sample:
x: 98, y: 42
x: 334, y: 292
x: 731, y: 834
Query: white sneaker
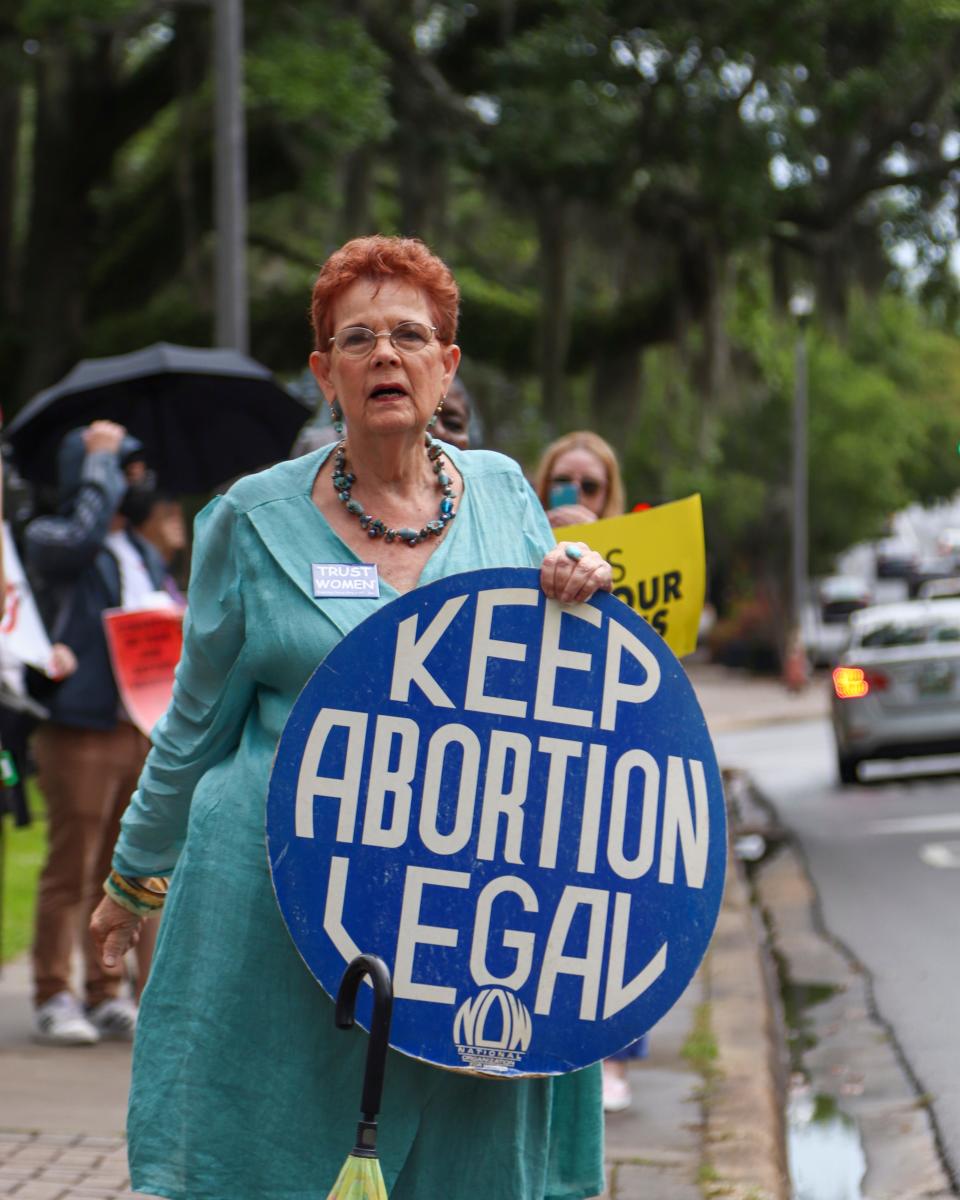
x: 114, y: 1019
x: 617, y: 1096
x: 61, y: 1022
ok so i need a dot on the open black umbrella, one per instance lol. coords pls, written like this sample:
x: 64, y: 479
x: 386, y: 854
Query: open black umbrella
x: 204, y: 416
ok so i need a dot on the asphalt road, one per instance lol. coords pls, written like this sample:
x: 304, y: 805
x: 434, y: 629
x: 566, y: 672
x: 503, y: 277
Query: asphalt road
x: 885, y: 858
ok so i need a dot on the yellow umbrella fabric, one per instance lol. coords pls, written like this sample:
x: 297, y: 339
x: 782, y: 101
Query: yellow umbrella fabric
x: 359, y: 1179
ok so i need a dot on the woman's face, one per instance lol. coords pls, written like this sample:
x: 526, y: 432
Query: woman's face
x: 586, y: 472
x: 388, y: 391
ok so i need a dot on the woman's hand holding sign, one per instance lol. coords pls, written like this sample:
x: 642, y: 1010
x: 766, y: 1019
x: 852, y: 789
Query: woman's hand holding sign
x: 571, y: 573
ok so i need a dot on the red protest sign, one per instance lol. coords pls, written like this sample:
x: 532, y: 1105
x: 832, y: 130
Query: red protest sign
x: 144, y: 649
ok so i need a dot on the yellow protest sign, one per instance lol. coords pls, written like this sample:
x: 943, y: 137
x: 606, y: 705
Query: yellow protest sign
x: 658, y: 563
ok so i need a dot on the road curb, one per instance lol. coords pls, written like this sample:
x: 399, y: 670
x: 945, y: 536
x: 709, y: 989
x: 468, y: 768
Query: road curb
x: 744, y: 1138
x: 848, y: 1053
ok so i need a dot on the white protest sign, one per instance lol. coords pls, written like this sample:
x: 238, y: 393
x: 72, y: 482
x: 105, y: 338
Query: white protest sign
x: 21, y: 628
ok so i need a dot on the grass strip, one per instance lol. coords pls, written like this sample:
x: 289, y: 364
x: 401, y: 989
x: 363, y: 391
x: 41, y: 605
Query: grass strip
x: 23, y: 850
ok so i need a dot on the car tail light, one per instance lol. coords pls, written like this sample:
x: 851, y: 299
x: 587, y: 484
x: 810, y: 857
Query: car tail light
x: 852, y: 682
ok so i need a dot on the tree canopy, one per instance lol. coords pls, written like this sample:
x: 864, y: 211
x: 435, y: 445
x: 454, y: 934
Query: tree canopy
x: 628, y: 194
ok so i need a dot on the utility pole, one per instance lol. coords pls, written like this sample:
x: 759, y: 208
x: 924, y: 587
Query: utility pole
x: 801, y: 307
x: 230, y: 178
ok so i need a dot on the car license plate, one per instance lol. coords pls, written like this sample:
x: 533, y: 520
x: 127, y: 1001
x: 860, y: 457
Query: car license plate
x: 935, y: 679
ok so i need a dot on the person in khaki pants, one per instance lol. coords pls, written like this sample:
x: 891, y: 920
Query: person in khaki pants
x: 89, y: 754
x: 87, y: 777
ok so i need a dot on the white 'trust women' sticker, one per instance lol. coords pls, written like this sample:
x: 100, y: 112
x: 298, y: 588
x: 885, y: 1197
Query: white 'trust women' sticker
x: 344, y: 580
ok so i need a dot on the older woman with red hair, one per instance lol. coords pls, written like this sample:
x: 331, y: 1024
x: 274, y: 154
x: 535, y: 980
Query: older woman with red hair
x: 241, y: 1084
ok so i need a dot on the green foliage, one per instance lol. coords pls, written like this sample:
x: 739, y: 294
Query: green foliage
x: 923, y: 364
x: 859, y: 432
x: 25, y: 850
x: 563, y: 66
x: 700, y: 1047
x: 884, y: 416
x: 627, y: 193
x: 325, y: 78
x: 40, y: 17
x: 498, y: 323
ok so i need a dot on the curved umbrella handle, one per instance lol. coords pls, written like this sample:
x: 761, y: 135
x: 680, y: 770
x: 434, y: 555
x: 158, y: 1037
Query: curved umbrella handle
x: 377, y: 970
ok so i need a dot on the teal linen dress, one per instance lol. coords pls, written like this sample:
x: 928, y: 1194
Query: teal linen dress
x: 242, y: 1087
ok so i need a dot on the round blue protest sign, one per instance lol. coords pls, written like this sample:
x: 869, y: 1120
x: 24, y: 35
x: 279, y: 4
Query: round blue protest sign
x: 515, y: 804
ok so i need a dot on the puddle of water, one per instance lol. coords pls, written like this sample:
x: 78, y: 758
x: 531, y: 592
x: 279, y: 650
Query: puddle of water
x: 824, y: 1152
x: 823, y: 1149
x: 798, y: 998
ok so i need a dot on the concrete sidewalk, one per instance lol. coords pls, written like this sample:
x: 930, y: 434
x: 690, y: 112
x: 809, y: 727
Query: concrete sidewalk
x: 736, y: 700
x: 697, y: 1124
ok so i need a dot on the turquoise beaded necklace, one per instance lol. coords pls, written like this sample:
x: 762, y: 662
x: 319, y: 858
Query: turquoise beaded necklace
x: 343, y: 481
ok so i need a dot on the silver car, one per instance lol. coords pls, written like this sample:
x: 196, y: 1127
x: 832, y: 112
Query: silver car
x: 896, y: 686
x: 825, y: 626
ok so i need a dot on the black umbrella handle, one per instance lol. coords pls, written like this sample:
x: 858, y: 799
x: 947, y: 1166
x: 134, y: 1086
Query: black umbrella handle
x: 376, y: 968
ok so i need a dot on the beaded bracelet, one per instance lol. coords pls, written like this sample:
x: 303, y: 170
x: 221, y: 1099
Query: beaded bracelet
x: 143, y: 897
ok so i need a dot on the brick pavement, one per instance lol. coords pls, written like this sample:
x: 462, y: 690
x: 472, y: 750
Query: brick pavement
x: 63, y: 1166
x: 653, y: 1149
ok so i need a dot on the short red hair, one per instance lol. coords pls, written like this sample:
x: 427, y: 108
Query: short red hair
x: 377, y: 258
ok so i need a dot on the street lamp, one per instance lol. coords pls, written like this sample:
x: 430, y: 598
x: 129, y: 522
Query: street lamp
x: 801, y: 308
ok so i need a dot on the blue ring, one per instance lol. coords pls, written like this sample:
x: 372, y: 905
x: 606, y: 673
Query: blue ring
x: 573, y: 552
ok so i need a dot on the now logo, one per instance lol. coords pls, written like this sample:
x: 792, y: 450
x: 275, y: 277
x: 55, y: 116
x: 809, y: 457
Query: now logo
x: 494, y: 1019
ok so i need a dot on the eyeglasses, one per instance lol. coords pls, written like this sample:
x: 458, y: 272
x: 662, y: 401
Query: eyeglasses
x: 357, y: 341
x: 589, y: 487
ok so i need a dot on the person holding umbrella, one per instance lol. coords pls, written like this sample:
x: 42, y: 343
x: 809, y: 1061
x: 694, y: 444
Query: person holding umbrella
x: 239, y: 1080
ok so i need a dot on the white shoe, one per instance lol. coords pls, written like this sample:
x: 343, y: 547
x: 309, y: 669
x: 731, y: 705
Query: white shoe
x: 115, y: 1019
x: 61, y: 1022
x: 617, y: 1096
